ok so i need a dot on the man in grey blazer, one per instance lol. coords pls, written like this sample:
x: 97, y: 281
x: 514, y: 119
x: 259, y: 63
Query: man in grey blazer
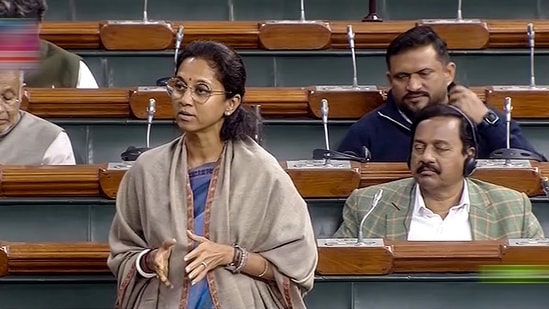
x: 440, y: 202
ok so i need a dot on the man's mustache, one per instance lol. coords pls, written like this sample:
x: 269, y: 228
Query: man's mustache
x: 409, y: 95
x: 427, y: 167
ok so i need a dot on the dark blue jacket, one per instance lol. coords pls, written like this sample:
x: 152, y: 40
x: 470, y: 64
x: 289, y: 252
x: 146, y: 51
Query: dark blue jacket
x: 388, y: 136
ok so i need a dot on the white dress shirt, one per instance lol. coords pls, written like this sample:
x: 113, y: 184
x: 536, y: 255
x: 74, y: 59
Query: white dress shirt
x: 428, y: 226
x: 59, y: 152
x: 85, y: 77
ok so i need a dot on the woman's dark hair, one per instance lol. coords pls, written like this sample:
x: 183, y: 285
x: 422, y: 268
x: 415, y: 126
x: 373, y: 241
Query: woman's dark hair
x: 33, y: 9
x: 230, y: 71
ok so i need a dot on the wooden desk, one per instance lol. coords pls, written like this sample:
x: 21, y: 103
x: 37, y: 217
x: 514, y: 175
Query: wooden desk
x: 275, y: 102
x: 96, y: 181
x: 427, y: 257
x: 396, y: 257
x: 258, y: 35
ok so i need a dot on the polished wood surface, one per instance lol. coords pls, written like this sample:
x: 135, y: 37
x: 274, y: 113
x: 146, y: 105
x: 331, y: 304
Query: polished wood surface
x: 43, y: 181
x: 426, y: 257
x: 21, y: 258
x: 98, y: 181
x: 72, y: 102
x: 304, y: 36
x: 254, y: 34
x: 18, y: 258
x: 344, y: 102
x: 136, y: 37
x: 462, y: 36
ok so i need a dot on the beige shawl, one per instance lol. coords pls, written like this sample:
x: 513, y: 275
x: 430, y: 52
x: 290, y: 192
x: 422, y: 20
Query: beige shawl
x: 255, y: 205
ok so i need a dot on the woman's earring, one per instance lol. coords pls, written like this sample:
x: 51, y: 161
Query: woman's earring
x: 227, y: 113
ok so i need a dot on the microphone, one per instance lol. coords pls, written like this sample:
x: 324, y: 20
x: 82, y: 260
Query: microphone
x: 145, y: 9
x: 327, y: 154
x: 151, y: 109
x: 302, y: 10
x: 459, y: 16
x: 178, y: 41
x: 508, y: 108
x: 132, y: 152
x: 324, y: 111
x: 258, y: 135
x: 162, y: 82
x: 531, y: 44
x: 351, y: 39
x: 375, y: 202
x: 509, y: 153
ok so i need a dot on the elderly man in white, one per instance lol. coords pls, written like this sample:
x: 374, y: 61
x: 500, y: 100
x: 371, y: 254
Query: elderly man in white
x: 24, y: 138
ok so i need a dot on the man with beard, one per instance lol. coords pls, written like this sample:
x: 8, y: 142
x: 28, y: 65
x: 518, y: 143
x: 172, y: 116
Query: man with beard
x: 440, y: 202
x: 420, y: 73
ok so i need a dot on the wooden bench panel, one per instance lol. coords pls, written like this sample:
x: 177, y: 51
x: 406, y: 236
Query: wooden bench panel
x: 248, y: 34
x: 275, y: 102
x: 396, y: 257
x: 426, y: 257
x: 97, y: 181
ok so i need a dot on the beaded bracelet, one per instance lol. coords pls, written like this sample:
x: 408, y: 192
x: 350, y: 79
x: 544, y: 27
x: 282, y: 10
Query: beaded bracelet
x: 238, y: 256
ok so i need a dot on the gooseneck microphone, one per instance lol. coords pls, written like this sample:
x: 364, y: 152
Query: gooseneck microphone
x: 151, y: 109
x: 327, y: 154
x: 351, y: 39
x: 508, y: 108
x: 459, y: 15
x: 373, y: 205
x: 162, y: 82
x: 531, y: 44
x: 324, y: 110
x: 178, y: 41
x: 145, y: 10
x: 132, y: 152
x: 302, y: 10
x: 509, y: 153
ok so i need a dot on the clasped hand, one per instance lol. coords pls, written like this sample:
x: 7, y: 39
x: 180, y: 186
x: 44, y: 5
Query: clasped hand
x: 206, y: 256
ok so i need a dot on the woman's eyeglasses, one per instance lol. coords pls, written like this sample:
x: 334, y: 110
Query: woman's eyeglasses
x: 200, y: 93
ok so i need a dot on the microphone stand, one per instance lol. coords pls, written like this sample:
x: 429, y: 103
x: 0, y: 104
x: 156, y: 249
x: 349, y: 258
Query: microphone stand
x: 327, y: 154
x: 375, y: 201
x: 509, y: 153
x: 162, y: 82
x: 132, y: 152
x: 531, y: 43
x: 372, y: 13
x: 458, y: 20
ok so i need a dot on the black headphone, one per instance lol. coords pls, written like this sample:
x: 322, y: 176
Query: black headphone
x: 471, y: 161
